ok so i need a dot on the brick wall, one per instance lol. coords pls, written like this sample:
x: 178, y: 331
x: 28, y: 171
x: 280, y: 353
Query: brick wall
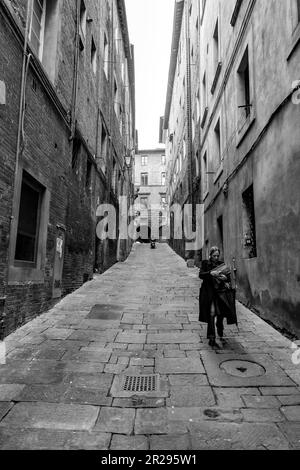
x: 76, y: 188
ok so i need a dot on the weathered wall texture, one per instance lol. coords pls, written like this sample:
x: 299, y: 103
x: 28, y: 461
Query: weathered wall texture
x: 67, y: 106
x: 254, y: 153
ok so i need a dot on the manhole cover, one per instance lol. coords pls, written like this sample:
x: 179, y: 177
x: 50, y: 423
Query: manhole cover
x: 105, y: 312
x: 240, y: 368
x: 140, y: 383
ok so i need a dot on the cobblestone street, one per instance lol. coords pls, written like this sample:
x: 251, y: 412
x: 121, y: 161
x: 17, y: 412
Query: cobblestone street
x: 62, y: 386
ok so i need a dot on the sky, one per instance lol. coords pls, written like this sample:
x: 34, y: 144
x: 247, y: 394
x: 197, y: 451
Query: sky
x: 150, y: 24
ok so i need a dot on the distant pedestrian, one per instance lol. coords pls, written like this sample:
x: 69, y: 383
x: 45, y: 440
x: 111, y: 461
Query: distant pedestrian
x: 216, y: 301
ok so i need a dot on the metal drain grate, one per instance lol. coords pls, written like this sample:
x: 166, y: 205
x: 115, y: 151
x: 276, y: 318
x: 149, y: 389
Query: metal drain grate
x: 140, y: 383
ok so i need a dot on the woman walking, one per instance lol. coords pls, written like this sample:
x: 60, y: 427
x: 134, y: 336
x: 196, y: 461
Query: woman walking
x: 214, y: 302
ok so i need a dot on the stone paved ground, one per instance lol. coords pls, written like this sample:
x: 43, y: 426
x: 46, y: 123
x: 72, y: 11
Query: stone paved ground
x: 61, y: 387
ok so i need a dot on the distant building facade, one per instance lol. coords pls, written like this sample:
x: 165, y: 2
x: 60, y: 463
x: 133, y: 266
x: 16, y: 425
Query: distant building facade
x: 151, y: 204
x: 238, y: 132
x: 67, y: 121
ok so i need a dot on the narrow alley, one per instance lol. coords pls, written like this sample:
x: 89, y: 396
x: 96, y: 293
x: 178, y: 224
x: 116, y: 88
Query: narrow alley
x: 124, y: 364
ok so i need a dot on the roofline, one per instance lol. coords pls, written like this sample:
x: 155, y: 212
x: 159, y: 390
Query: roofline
x: 177, y: 23
x: 129, y: 54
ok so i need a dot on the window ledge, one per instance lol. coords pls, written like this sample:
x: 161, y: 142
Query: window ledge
x: 219, y: 173
x: 245, y: 128
x: 203, y: 120
x: 216, y: 78
x: 25, y: 275
x: 295, y: 42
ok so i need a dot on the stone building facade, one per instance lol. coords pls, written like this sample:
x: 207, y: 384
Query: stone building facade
x: 67, y: 121
x: 248, y: 141
x: 150, y: 182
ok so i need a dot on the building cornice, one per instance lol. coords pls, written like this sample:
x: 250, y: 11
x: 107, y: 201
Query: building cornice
x: 177, y: 24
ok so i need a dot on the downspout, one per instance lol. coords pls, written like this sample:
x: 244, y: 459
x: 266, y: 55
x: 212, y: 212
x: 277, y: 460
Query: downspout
x: 25, y: 65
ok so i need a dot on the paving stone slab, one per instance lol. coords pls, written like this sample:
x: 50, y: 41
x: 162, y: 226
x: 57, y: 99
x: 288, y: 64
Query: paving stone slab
x: 43, y: 393
x: 155, y: 421
x: 120, y: 442
x: 179, y: 366
x: 180, y: 380
x: 292, y: 413
x: 101, y: 382
x: 82, y: 367
x: 130, y: 337
x: 58, y: 333
x: 289, y: 399
x: 85, y: 396
x: 291, y: 432
x: 42, y: 439
x: 88, y: 356
x: 260, y: 415
x: 177, y: 338
x: 244, y: 436
x: 51, y: 416
x: 273, y: 376
x: 232, y: 397
x: 204, y: 413
x: 191, y: 396
x: 261, y: 402
x: 9, y: 392
x: 139, y: 402
x: 4, y: 408
x: 279, y: 390
x: 116, y: 420
x: 172, y: 442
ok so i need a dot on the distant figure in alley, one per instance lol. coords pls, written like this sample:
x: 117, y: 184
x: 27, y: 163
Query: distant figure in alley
x: 217, y: 299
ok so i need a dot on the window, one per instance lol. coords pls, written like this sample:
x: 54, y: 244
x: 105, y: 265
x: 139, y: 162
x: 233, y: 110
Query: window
x: 216, y: 57
x: 43, y: 33
x: 75, y: 152
x: 28, y: 221
x: 145, y: 160
x: 37, y: 27
x: 198, y: 106
x: 244, y: 86
x: 94, y: 56
x: 106, y: 55
x: 103, y: 143
x: 144, y: 179
x: 88, y: 176
x: 236, y: 11
x: 221, y: 232
x: 82, y: 24
x: 249, y: 229
x: 163, y: 159
x: 184, y: 148
x: 205, y: 174
x: 217, y: 133
x: 163, y: 179
x: 216, y: 47
x: 116, y: 104
x: 163, y: 199
x: 204, y: 101
x: 144, y: 202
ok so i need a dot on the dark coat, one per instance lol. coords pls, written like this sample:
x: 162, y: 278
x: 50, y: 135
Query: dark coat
x: 212, y: 291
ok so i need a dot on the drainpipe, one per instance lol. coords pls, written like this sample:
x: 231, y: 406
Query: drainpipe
x: 20, y: 133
